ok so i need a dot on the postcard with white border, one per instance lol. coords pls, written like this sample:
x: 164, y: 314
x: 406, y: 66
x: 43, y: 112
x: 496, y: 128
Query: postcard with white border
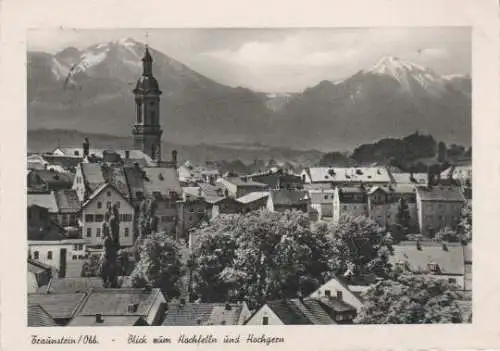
x: 271, y: 175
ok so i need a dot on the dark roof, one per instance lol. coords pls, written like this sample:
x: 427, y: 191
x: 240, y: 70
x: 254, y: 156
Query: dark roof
x: 58, y: 306
x: 202, y: 314
x: 67, y: 201
x: 38, y: 267
x: 336, y: 304
x: 289, y: 197
x: 50, y: 232
x: 300, y: 312
x: 244, y: 182
x: 450, y: 261
x: 38, y: 317
x: 46, y: 200
x: 71, y: 285
x: 108, y: 321
x: 115, y: 302
x: 54, y: 179
x: 440, y: 193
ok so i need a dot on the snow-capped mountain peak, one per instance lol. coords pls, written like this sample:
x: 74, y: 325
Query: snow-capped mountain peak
x: 407, y: 73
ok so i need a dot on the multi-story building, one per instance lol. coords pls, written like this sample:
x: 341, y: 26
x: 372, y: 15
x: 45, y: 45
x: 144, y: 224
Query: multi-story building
x: 438, y: 207
x: 93, y: 215
x: 349, y: 201
x: 346, y: 176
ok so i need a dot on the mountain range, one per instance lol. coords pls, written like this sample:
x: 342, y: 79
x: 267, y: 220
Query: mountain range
x: 90, y: 91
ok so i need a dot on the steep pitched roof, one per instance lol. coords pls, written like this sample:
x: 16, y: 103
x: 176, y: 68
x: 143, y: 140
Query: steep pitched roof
x: 58, y: 306
x: 39, y: 317
x: 306, y: 311
x: 67, y: 200
x: 46, y: 200
x: 71, y: 285
x: 107, y: 321
x: 450, y: 261
x: 440, y: 193
x: 162, y: 180
x: 191, y: 314
x: 99, y: 190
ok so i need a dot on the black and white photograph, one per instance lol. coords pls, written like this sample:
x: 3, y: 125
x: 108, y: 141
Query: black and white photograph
x: 291, y: 176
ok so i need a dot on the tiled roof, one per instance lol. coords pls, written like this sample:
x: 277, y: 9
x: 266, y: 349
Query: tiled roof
x: 135, y: 180
x: 38, y: 317
x: 107, y: 321
x: 243, y: 183
x: 58, y: 306
x: 71, y: 285
x: 211, y: 192
x: 92, y: 174
x: 349, y: 174
x: 67, y: 200
x: 254, y: 196
x: 336, y: 304
x: 46, y: 200
x: 450, y: 261
x: 289, y: 197
x: 405, y: 178
x: 161, y: 180
x: 296, y: 312
x: 191, y: 314
x: 440, y: 193
x: 54, y: 179
x: 133, y: 154
x: 115, y: 302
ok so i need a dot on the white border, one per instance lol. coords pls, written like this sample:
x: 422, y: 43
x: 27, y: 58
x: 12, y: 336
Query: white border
x: 19, y: 15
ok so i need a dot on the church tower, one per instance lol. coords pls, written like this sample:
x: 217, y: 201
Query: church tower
x: 147, y: 131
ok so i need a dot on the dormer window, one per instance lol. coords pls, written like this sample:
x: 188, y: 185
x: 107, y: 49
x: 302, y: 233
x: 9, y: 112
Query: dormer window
x: 433, y: 267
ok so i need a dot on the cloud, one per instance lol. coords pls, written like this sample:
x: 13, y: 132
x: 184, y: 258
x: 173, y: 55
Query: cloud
x: 434, y: 53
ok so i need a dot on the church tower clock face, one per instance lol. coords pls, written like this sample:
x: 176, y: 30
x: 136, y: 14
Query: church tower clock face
x: 147, y: 130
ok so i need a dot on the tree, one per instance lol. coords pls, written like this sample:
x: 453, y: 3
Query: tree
x: 449, y: 235
x: 275, y: 255
x: 91, y: 266
x: 147, y: 221
x: 465, y: 224
x: 403, y: 214
x: 410, y: 299
x: 159, y: 265
x: 111, y: 244
x: 360, y: 246
x: 442, y: 151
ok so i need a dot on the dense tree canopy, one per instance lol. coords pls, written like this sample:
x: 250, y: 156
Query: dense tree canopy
x: 159, y: 265
x: 410, y: 299
x: 275, y: 255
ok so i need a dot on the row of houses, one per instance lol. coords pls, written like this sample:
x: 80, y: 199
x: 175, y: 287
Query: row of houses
x: 84, y: 301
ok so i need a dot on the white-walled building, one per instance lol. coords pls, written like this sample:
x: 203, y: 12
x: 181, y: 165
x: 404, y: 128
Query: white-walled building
x: 349, y: 201
x: 64, y: 254
x: 93, y: 214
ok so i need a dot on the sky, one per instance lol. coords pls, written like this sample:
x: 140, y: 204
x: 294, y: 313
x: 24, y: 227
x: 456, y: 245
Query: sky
x: 283, y: 60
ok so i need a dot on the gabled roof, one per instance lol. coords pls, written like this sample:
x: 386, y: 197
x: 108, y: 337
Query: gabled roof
x: 450, y: 261
x: 45, y: 200
x: 39, y: 317
x: 161, y: 180
x: 191, y: 314
x: 349, y: 174
x: 67, y: 200
x: 406, y: 178
x: 440, y: 193
x: 71, y: 285
x: 99, y: 190
x: 58, y: 306
x: 49, y: 232
x: 115, y: 302
x: 289, y: 197
x: 254, y: 196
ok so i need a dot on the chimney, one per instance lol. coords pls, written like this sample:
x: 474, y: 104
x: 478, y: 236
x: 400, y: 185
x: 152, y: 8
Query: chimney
x: 339, y: 295
x: 127, y: 154
x: 419, y: 246
x: 98, y: 318
x: 174, y: 157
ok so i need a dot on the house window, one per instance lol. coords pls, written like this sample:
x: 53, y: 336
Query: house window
x: 89, y: 218
x: 433, y: 267
x: 99, y: 218
x: 328, y: 293
x: 127, y: 232
x: 108, y: 193
x: 452, y: 280
x: 108, y: 204
x: 339, y: 295
x: 89, y: 232
x: 49, y: 255
x: 36, y: 255
x: 200, y: 210
x: 74, y: 257
x: 99, y: 204
x: 98, y: 232
x: 326, y: 197
x: 191, y: 210
x: 265, y: 320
